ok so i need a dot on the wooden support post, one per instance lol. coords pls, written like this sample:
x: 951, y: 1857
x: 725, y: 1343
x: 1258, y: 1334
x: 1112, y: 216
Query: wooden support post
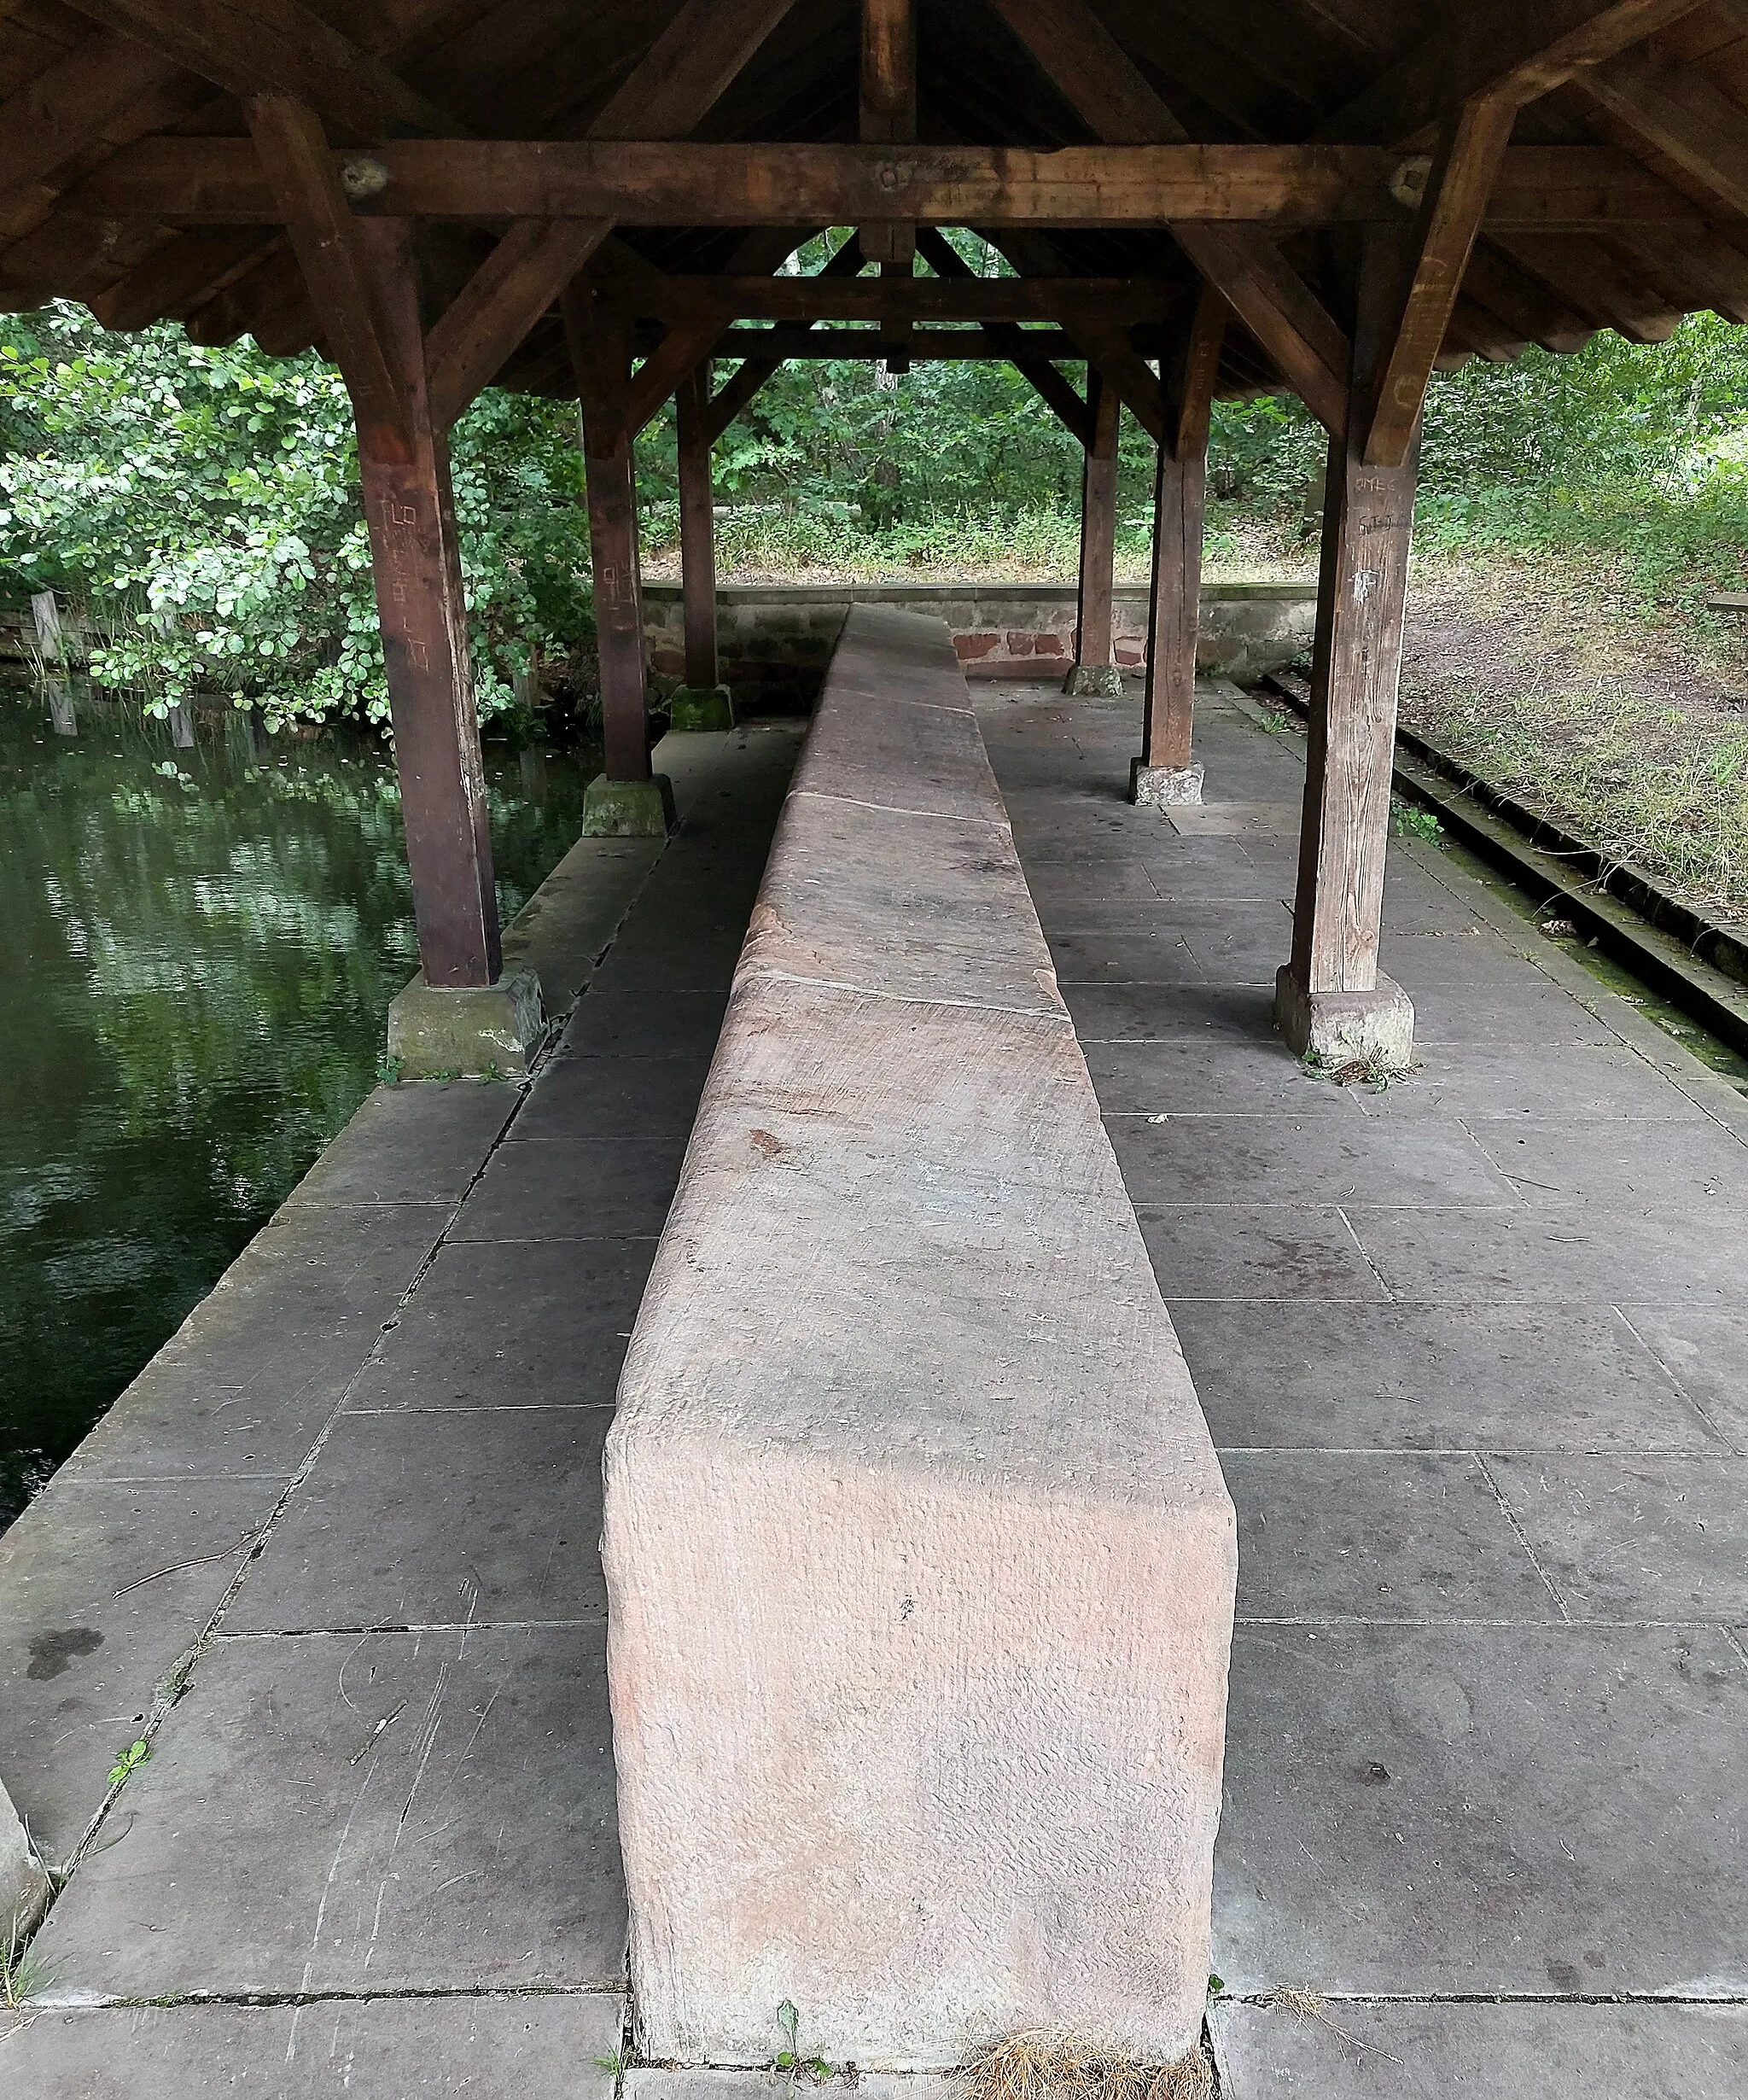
x: 1332, y: 1001
x: 626, y: 800
x: 703, y: 702
x: 887, y: 117
x: 1164, y: 773
x: 416, y: 561
x: 1094, y: 671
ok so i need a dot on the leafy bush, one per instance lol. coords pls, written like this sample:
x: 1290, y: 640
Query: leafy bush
x: 200, y: 507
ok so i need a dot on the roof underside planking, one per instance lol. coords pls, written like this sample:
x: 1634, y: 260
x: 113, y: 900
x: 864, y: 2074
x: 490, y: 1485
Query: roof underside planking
x: 1256, y: 137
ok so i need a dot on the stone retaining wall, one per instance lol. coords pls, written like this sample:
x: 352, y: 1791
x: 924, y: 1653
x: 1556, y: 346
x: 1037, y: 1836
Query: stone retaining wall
x: 919, y: 1561
x: 776, y: 639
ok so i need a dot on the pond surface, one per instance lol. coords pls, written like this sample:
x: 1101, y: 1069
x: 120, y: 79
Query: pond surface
x: 198, y: 948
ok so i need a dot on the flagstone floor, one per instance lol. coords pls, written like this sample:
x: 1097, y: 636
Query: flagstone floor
x: 1474, y: 1351
x: 1475, y: 1354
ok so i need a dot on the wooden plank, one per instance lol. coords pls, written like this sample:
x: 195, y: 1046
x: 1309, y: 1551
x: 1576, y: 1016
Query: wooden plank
x: 175, y: 278
x: 1179, y: 501
x: 415, y: 564
x: 697, y: 527
x: 493, y: 312
x: 776, y: 346
x: 600, y: 347
x: 1116, y: 100
x: 1527, y: 307
x: 1448, y: 220
x: 1097, y: 530
x: 330, y: 244
x: 1682, y: 114
x: 1513, y: 49
x: 278, y: 47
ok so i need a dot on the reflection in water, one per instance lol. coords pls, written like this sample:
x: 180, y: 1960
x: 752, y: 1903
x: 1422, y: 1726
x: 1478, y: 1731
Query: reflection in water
x: 198, y: 948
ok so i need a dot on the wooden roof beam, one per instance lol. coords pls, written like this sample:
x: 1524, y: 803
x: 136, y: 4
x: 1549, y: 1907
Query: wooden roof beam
x: 1118, y: 103
x: 1512, y: 50
x: 940, y: 298
x: 279, y: 47
x: 1470, y: 150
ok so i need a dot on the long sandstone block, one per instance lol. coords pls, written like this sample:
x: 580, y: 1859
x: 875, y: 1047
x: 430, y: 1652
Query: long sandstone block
x: 919, y: 1561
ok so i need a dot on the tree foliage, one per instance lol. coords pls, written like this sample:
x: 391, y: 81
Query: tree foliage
x: 201, y: 506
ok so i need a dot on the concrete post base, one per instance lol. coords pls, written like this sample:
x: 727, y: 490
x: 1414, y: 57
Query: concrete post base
x: 1164, y: 787
x: 24, y: 1886
x: 1094, y: 681
x: 1337, y: 1028
x: 628, y: 808
x: 444, y: 1031
x: 701, y: 707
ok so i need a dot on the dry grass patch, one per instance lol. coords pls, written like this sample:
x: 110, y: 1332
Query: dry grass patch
x: 1055, y: 2064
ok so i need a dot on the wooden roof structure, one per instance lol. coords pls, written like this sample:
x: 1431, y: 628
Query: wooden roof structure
x: 1131, y: 146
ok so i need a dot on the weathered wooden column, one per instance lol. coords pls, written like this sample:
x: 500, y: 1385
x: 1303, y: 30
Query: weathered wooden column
x: 1332, y: 1000
x: 703, y: 702
x: 1094, y: 671
x: 626, y: 800
x: 462, y: 1013
x: 1165, y: 774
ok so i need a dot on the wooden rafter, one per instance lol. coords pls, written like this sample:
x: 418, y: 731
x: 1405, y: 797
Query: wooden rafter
x: 1056, y: 392
x: 1469, y: 152
x: 278, y: 47
x: 675, y: 83
x: 72, y: 101
x: 1117, y: 102
x: 1682, y: 114
x: 739, y: 388
x: 1510, y: 49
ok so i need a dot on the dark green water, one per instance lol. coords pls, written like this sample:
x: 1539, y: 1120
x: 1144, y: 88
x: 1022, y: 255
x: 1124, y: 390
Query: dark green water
x: 197, y: 954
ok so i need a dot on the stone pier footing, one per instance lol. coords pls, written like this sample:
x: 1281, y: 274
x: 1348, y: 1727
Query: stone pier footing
x: 701, y: 707
x: 440, y: 1031
x: 628, y: 808
x: 1095, y: 681
x: 1335, y: 1028
x: 1164, y: 787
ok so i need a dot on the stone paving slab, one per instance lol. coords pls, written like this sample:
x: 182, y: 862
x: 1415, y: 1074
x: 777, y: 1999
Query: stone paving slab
x: 480, y: 2047
x: 468, y: 1516
x: 1256, y: 1251
x: 1704, y: 1351
x: 1559, y: 1158
x: 1207, y: 1074
x: 655, y: 1024
x: 1252, y: 1159
x: 567, y: 1188
x: 513, y: 1323
x: 246, y: 1383
x: 1327, y: 1535
x: 410, y: 1145
x: 1575, y: 1252
x: 80, y: 1665
x: 1166, y: 1014
x: 1581, y: 1080
x: 642, y: 1098
x: 1461, y: 1811
x: 1660, y: 1538
x: 344, y: 1813
x: 1528, y: 1378
x: 1528, y: 1015
x: 1484, y: 2052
